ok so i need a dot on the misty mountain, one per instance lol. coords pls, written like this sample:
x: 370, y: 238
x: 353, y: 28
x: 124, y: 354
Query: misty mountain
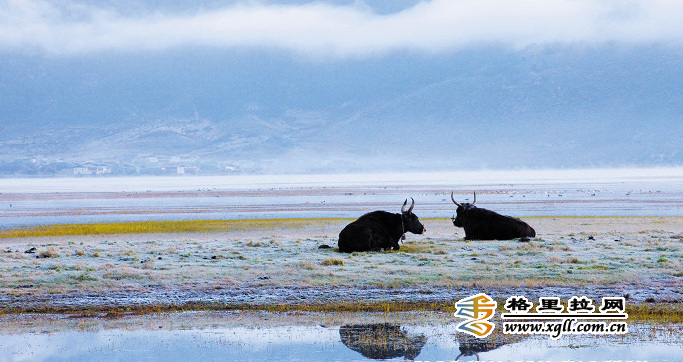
x: 215, y: 111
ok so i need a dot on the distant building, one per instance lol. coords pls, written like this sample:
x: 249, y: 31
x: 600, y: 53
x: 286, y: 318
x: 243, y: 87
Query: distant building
x: 179, y: 170
x: 92, y: 170
x: 82, y: 171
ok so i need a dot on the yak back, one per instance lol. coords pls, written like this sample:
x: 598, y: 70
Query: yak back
x: 483, y: 224
x: 383, y: 219
x: 390, y: 223
x: 373, y: 231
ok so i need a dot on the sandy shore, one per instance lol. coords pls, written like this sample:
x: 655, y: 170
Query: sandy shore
x: 280, y: 263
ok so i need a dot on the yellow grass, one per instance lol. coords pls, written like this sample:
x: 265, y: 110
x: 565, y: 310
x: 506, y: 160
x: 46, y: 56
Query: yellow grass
x: 648, y: 312
x: 146, y: 227
x: 656, y: 312
x: 162, y: 227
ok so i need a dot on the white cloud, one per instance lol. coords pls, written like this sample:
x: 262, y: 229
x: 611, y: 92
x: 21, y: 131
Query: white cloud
x: 323, y: 28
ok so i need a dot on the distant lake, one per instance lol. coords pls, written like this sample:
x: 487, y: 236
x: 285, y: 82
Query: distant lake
x: 619, y: 192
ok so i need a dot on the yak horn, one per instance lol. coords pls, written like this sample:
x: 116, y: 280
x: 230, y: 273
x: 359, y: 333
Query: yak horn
x: 455, y: 202
x: 403, y: 208
x: 475, y: 198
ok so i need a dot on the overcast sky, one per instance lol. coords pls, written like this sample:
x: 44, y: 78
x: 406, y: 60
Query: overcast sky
x: 329, y: 28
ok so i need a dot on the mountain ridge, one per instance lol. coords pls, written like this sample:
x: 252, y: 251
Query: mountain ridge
x: 268, y: 112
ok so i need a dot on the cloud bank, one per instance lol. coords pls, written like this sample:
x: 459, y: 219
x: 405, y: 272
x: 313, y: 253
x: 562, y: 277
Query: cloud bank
x: 325, y: 29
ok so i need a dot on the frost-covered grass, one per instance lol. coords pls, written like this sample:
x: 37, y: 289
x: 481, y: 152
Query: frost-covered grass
x: 227, y: 254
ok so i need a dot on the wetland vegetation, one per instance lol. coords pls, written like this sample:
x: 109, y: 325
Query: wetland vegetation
x: 636, y: 257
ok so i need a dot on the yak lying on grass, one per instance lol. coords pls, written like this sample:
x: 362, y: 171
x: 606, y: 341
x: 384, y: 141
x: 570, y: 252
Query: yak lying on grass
x: 379, y: 230
x: 482, y: 224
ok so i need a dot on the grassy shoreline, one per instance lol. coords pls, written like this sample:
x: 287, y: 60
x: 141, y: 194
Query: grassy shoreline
x: 645, y: 312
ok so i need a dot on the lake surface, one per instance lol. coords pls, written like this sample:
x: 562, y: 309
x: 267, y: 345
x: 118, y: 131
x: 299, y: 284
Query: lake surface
x: 261, y: 336
x: 628, y: 192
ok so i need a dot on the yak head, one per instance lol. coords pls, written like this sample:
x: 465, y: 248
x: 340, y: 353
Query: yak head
x: 462, y: 209
x: 409, y: 220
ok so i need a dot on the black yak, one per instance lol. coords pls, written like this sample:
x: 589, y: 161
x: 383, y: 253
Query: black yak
x: 482, y: 224
x: 379, y: 230
x: 382, y: 341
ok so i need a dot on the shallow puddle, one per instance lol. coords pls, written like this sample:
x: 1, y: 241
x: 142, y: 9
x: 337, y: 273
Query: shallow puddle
x: 264, y: 336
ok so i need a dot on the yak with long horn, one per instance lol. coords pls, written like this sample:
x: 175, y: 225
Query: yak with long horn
x: 380, y: 230
x: 482, y: 224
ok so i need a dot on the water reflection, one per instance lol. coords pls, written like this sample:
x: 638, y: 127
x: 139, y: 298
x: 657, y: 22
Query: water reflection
x: 260, y: 336
x: 471, y: 346
x: 382, y: 341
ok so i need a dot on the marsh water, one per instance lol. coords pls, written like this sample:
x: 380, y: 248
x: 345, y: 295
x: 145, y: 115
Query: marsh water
x: 632, y: 192
x: 263, y: 336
